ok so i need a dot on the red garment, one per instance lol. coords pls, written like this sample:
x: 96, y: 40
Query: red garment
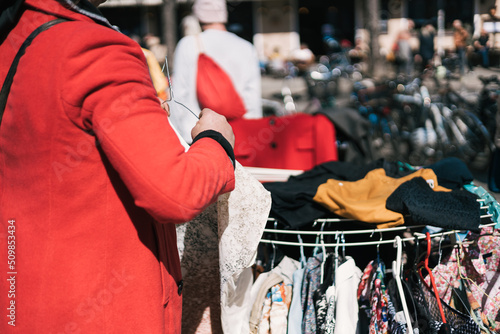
x: 95, y: 178
x: 299, y: 141
x: 216, y: 91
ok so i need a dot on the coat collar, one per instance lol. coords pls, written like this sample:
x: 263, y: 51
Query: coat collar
x: 11, y: 11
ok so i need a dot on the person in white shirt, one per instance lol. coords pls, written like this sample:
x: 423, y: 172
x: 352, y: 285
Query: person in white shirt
x: 236, y: 56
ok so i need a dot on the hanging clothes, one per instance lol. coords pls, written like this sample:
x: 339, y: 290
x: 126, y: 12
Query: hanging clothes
x: 275, y: 311
x: 397, y: 318
x: 311, y: 282
x: 347, y: 279
x: 260, y: 316
x: 330, y: 319
x: 270, y: 311
x: 373, y: 299
x: 261, y: 306
x: 320, y: 300
x: 296, y: 314
x: 429, y: 314
x: 478, y: 263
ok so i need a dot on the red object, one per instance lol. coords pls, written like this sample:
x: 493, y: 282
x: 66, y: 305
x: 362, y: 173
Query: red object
x: 299, y: 141
x: 425, y: 264
x: 95, y: 179
x: 216, y: 91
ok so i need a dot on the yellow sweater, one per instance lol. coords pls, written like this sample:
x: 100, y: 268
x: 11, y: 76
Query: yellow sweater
x: 364, y: 200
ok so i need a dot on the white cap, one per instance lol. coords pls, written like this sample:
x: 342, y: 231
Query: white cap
x: 210, y: 11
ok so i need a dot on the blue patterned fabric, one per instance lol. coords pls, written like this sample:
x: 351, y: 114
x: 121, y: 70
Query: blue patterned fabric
x: 310, y: 283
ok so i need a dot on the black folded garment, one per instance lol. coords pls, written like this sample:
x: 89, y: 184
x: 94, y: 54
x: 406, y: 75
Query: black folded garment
x: 452, y: 173
x: 455, y: 210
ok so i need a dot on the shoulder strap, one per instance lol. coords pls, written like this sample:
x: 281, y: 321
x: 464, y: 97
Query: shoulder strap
x: 4, y: 93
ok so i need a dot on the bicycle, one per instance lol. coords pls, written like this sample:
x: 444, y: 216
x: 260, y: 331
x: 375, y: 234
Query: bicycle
x: 438, y: 129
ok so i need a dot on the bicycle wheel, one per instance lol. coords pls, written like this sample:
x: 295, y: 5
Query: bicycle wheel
x: 383, y: 138
x: 478, y: 146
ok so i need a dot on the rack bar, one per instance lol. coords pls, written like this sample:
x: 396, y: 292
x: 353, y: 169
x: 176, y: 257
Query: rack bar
x: 348, y: 244
x: 366, y: 243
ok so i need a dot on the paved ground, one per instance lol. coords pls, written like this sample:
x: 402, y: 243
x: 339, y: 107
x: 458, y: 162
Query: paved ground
x: 272, y: 88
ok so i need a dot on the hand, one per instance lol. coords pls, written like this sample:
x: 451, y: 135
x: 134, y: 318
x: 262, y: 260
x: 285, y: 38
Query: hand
x: 210, y: 120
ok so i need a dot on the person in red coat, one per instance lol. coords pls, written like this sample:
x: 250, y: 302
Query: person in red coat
x: 93, y: 179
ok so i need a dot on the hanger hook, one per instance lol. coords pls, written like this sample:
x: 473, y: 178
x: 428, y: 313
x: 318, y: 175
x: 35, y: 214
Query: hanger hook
x: 322, y: 229
x: 273, y: 245
x: 440, y: 251
x: 276, y: 228
x: 342, y: 239
x: 417, y: 246
x: 319, y: 237
x: 336, y: 262
x: 337, y: 237
x: 379, y: 241
x: 303, y: 259
x: 324, y: 257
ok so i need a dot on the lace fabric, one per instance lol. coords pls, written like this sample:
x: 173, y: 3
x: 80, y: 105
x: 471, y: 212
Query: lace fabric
x: 215, y: 248
x: 429, y: 317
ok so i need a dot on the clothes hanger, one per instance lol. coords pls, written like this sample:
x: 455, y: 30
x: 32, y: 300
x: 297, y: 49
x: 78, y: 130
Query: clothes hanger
x: 416, y: 249
x: 319, y: 235
x: 396, y: 272
x: 378, y: 248
x: 323, y: 248
x: 303, y: 259
x: 337, y: 237
x: 440, y: 251
x: 342, y: 239
x: 425, y: 264
x: 274, y: 246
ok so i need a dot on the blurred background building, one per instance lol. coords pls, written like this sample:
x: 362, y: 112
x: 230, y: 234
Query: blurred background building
x: 277, y: 27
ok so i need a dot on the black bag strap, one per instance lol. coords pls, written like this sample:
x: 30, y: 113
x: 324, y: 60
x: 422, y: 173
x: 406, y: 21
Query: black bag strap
x: 4, y: 93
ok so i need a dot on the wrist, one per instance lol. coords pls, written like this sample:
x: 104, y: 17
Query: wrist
x: 218, y: 137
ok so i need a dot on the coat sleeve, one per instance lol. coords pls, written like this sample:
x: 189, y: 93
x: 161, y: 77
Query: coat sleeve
x: 107, y: 89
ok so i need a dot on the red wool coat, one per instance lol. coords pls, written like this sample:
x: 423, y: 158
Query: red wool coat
x: 93, y: 179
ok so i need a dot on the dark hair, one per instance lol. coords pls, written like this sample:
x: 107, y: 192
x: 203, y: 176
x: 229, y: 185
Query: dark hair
x: 10, y: 12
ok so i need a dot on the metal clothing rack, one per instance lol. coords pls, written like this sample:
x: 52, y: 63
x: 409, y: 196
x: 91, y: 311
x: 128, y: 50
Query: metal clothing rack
x: 397, y: 243
x: 339, y: 234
